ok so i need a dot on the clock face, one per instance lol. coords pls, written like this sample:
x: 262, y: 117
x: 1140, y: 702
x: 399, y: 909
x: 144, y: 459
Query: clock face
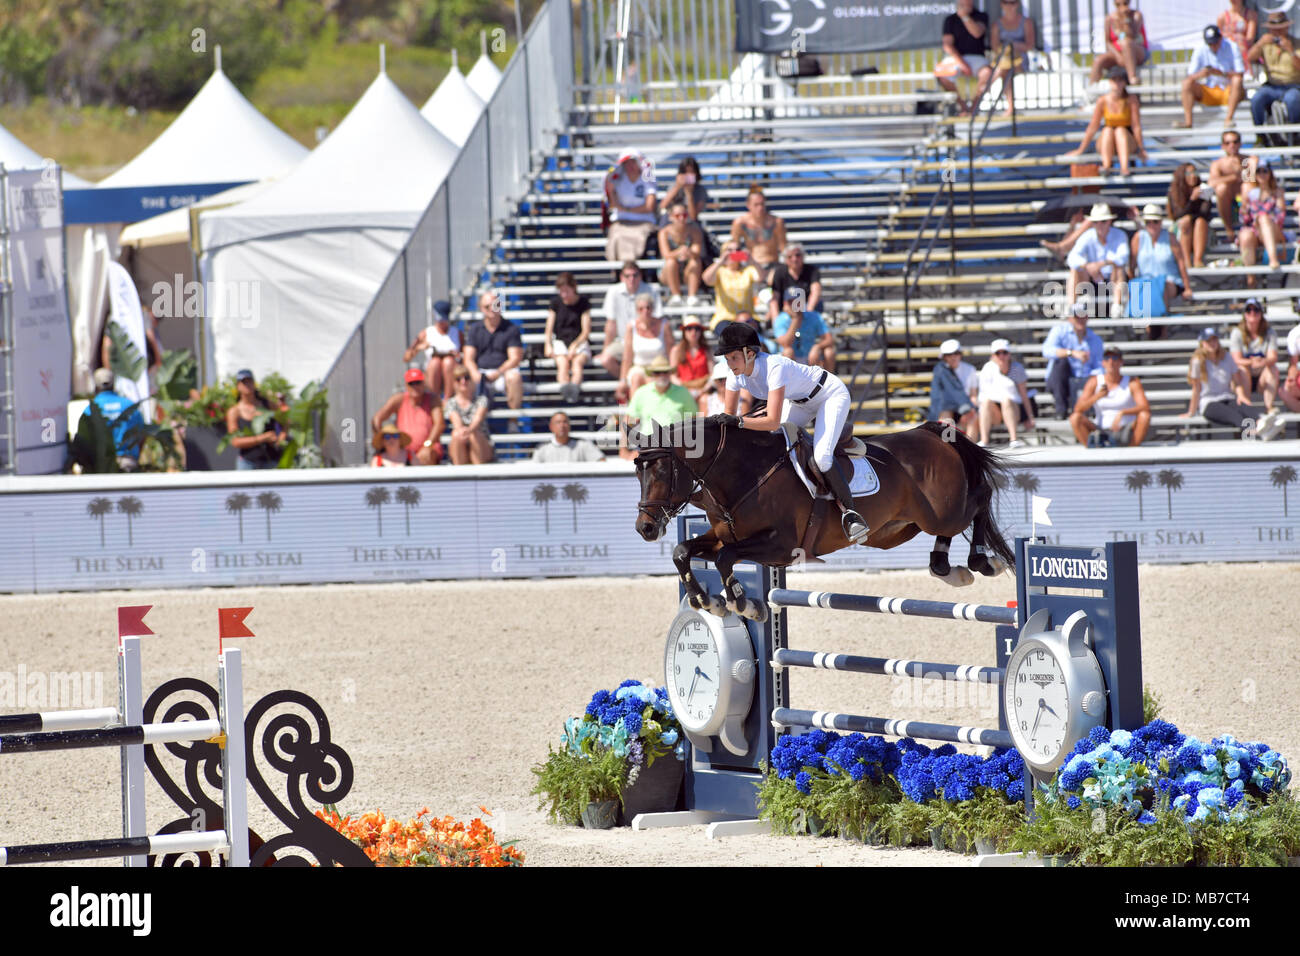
x: 694, y: 673
x: 1038, y: 704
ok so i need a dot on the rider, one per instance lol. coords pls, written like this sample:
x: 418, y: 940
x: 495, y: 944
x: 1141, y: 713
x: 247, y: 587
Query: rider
x: 794, y: 393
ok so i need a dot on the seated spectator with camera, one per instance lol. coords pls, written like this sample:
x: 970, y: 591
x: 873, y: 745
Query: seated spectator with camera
x: 1281, y: 68
x: 1113, y: 409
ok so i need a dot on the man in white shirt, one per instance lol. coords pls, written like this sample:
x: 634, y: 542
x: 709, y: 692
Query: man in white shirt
x: 1097, y: 259
x: 620, y: 312
x: 1213, y: 77
x: 562, y: 448
x: 630, y: 193
x: 1003, y: 395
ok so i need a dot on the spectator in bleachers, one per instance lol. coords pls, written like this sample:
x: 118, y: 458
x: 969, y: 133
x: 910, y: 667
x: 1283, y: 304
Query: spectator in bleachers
x: 1290, y: 391
x: 1253, y: 345
x: 470, y: 442
x: 1017, y: 29
x: 1214, y: 78
x: 658, y: 402
x: 568, y: 329
x: 494, y: 351
x: 1154, y: 254
x: 796, y: 272
x: 965, y: 48
x: 1100, y: 256
x: 391, y: 444
x: 1225, y: 180
x: 1109, y: 398
x: 1281, y: 69
x: 1126, y: 43
x: 1189, y: 205
x: 1073, y: 352
x: 1121, y: 113
x: 418, y: 414
x: 620, y: 312
x: 803, y: 336
x: 1219, y: 386
x: 1240, y: 25
x: 648, y: 339
x: 631, y: 195
x: 681, y: 245
x: 759, y: 232
x: 688, y: 189
x: 441, y: 344
x: 734, y: 280
x: 691, y: 357
x: 1003, y: 395
x: 954, y: 390
x: 1263, y: 210
x: 562, y: 447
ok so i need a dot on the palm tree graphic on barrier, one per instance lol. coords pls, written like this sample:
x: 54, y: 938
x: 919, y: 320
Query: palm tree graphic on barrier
x: 1029, y: 485
x: 575, y: 492
x: 1136, y: 481
x: 269, y: 502
x: 1171, y: 480
x: 543, y: 495
x: 408, y: 496
x: 376, y: 498
x: 236, y: 504
x: 97, y: 508
x: 1281, y: 476
x: 130, y: 506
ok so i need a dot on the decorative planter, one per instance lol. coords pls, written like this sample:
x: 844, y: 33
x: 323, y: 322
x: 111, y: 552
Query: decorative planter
x: 658, y: 789
x: 600, y: 816
x: 957, y: 842
x: 986, y: 846
x: 936, y: 838
x: 201, y: 450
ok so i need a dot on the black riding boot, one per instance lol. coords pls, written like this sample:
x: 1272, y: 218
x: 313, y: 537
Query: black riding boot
x: 854, y: 527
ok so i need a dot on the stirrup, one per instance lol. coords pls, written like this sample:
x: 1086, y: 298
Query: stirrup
x: 851, y: 518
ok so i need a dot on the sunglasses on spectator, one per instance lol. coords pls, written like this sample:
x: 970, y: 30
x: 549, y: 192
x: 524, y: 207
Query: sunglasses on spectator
x: 391, y: 436
x: 1001, y: 352
x: 630, y: 275
x: 1232, y: 141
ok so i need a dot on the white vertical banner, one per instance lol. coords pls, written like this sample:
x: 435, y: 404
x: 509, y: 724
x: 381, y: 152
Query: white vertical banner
x: 42, y: 339
x: 126, y: 312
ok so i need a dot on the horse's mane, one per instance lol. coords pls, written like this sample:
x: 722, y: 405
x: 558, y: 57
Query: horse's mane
x: 685, y: 433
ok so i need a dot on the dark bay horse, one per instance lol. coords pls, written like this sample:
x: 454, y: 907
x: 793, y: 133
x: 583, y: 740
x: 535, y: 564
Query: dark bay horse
x: 932, y: 479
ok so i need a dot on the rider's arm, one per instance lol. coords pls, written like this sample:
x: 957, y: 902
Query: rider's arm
x: 730, y: 400
x: 770, y: 420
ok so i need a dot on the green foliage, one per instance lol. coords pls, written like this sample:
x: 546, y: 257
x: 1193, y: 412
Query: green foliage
x: 781, y: 803
x: 909, y: 824
x: 125, y: 360
x: 989, y: 816
x: 853, y: 808
x: 178, y: 375
x: 92, y: 448
x: 1150, y: 705
x: 566, y: 782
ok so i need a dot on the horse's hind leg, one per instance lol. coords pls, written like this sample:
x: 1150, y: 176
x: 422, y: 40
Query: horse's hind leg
x: 940, y: 568
x: 982, y: 558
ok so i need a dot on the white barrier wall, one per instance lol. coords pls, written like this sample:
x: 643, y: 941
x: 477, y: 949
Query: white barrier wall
x: 252, y: 528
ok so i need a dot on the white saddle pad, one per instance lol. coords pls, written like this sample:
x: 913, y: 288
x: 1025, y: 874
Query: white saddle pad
x: 864, y: 481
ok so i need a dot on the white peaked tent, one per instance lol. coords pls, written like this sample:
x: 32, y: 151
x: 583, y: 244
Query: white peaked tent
x: 290, y: 273
x: 219, y: 137
x: 484, y: 77
x: 454, y: 107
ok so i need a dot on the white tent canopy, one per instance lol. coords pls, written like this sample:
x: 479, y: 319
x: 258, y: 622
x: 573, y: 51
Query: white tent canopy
x: 484, y: 78
x: 291, y: 272
x: 454, y: 107
x: 219, y: 137
x: 15, y: 154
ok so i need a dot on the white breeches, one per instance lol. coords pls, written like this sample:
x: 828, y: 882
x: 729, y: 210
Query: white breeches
x: 830, y: 409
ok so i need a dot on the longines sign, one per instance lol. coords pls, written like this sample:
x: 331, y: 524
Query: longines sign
x: 85, y: 534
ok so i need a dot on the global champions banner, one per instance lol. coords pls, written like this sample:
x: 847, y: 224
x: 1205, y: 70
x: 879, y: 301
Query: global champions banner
x: 838, y: 26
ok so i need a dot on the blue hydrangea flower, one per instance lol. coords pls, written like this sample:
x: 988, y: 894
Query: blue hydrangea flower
x: 1073, y: 802
x: 1120, y: 739
x: 803, y: 782
x: 1146, y: 818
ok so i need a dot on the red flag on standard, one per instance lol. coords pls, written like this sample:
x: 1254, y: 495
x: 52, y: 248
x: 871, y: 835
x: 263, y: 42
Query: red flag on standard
x: 130, y: 620
x: 231, y: 622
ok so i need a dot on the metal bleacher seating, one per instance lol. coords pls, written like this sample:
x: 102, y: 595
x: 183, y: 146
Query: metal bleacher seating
x: 865, y: 184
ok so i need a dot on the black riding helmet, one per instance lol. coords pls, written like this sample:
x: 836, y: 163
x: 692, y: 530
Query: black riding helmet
x: 737, y: 336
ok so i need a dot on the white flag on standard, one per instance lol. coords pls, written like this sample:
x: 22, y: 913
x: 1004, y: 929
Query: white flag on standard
x: 1040, y: 510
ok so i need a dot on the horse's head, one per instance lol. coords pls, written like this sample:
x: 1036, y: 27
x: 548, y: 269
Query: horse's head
x: 667, y: 481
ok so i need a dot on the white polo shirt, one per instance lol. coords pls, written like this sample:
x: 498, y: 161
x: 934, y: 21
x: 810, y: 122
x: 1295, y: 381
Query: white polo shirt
x: 1293, y: 341
x: 776, y: 371
x: 1228, y: 59
x: 632, y: 194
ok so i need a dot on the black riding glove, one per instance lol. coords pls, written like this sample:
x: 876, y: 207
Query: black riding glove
x: 731, y: 421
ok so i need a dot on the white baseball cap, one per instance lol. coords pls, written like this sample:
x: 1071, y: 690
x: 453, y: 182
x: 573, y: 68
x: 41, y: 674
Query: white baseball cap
x: 720, y: 369
x: 948, y: 346
x: 999, y: 345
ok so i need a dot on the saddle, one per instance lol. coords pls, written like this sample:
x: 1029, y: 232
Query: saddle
x: 848, y: 448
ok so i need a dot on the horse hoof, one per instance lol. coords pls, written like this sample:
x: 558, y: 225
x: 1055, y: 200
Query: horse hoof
x: 717, y: 607
x: 755, y: 612
x: 958, y: 577
x: 997, y: 565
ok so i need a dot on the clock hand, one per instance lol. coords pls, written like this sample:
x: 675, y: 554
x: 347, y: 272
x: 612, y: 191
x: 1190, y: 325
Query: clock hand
x: 1050, y: 711
x: 691, y: 692
x: 1034, y: 730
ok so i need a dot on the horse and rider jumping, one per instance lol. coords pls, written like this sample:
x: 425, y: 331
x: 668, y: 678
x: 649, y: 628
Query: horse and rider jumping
x: 931, y: 478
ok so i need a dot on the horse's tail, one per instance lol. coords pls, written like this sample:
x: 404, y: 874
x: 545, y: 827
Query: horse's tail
x: 985, y: 473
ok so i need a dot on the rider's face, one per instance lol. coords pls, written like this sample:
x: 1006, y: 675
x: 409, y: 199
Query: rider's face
x: 740, y: 362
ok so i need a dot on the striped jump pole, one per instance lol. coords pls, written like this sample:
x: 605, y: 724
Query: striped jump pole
x: 894, y: 667
x: 829, y: 720
x: 58, y: 720
x: 213, y: 841
x: 906, y: 607
x: 177, y: 732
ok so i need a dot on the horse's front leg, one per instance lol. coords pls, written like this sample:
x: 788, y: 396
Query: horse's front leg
x: 763, y: 548
x: 698, y: 598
